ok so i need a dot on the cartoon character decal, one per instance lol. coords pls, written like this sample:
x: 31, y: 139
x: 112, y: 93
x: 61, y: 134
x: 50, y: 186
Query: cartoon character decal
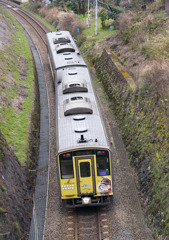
x: 105, y: 185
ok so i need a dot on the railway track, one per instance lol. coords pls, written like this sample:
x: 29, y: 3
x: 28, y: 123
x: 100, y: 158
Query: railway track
x: 36, y: 24
x: 92, y: 223
x: 87, y: 223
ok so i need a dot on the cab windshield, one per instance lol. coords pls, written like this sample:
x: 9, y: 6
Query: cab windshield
x: 103, y: 164
x: 66, y: 168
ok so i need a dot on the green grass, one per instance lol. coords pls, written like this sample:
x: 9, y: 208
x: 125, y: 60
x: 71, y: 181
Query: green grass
x: 90, y: 32
x: 3, y: 188
x: 15, y: 126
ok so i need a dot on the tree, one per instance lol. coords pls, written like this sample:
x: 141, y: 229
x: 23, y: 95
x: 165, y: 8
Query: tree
x: 103, y: 14
x: 113, y: 12
x: 72, y: 5
x: 81, y: 6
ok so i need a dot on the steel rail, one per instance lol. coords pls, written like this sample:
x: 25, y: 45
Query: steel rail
x: 98, y: 224
x: 29, y: 14
x: 21, y: 13
x: 76, y: 226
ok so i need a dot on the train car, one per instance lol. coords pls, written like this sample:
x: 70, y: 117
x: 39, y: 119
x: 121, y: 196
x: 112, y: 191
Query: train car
x: 19, y: 1
x: 83, y: 153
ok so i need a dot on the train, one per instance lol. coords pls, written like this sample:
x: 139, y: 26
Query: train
x: 19, y: 1
x: 84, y: 155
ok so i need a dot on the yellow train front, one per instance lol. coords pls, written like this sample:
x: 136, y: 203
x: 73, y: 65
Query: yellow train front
x: 85, y: 177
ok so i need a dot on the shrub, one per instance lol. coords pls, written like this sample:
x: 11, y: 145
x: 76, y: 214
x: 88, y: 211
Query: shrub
x: 62, y: 20
x: 81, y: 39
x: 70, y: 22
x: 156, y: 78
x: 125, y: 20
x: 35, y: 6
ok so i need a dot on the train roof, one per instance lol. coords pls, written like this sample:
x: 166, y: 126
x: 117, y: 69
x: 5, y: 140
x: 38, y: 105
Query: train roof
x: 64, y: 50
x: 79, y: 120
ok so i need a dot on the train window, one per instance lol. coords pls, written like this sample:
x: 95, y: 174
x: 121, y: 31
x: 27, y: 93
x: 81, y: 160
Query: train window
x: 85, y: 169
x: 103, y: 164
x: 66, y: 168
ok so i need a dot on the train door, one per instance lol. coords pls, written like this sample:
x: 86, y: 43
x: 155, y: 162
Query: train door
x: 85, y: 176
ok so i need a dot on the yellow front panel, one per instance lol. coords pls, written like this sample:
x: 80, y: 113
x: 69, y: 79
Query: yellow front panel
x: 86, y: 181
x: 68, y: 188
x: 103, y: 183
